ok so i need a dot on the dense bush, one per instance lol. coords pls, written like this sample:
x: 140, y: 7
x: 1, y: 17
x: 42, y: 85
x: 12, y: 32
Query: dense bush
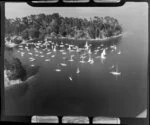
x: 15, y: 70
x: 34, y: 33
x: 17, y: 41
x: 25, y: 34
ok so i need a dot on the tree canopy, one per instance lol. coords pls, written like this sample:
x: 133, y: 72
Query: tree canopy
x: 35, y: 26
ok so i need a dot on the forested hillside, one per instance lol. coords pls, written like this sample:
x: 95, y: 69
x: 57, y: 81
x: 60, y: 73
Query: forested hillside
x: 54, y: 25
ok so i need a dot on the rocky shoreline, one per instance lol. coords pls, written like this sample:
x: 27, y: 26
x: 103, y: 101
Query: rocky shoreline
x: 16, y: 73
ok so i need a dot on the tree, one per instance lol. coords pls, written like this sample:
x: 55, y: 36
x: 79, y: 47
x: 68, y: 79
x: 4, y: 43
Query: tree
x: 25, y: 34
x: 34, y: 33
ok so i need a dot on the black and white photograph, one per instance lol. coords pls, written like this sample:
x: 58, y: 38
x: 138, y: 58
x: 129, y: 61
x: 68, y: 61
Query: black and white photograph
x: 76, y: 61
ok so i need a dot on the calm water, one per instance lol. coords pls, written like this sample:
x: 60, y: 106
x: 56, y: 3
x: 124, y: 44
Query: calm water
x: 94, y: 90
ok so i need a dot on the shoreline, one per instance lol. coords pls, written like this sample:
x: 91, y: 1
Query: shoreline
x: 11, y: 44
x: 83, y: 39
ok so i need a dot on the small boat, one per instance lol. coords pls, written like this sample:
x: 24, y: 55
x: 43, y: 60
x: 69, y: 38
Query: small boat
x: 53, y: 56
x: 63, y: 64
x: 32, y: 65
x: 47, y: 60
x: 41, y: 52
x: 112, y: 50
x: 30, y: 53
x: 31, y: 59
x: 61, y: 50
x: 114, y: 47
x: 20, y: 48
x: 58, y: 70
x: 113, y: 66
x: 64, y: 53
x: 119, y: 53
x: 48, y: 53
x: 61, y: 45
x: 96, y: 50
x: 115, y: 73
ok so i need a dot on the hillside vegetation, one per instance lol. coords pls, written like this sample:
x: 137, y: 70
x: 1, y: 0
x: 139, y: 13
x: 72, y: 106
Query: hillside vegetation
x: 54, y: 25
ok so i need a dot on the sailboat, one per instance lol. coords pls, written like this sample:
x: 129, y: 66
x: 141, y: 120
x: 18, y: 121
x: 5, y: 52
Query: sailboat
x: 70, y: 78
x: 77, y: 49
x: 103, y: 54
x: 86, y: 46
x: 89, y: 58
x: 71, y: 58
x: 69, y: 48
x: 78, y: 71
x: 116, y: 73
x: 89, y: 52
x: 91, y: 61
x: 22, y: 54
x: 54, y: 48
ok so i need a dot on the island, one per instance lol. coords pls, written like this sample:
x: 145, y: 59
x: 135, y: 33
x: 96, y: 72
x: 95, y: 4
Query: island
x: 54, y: 26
